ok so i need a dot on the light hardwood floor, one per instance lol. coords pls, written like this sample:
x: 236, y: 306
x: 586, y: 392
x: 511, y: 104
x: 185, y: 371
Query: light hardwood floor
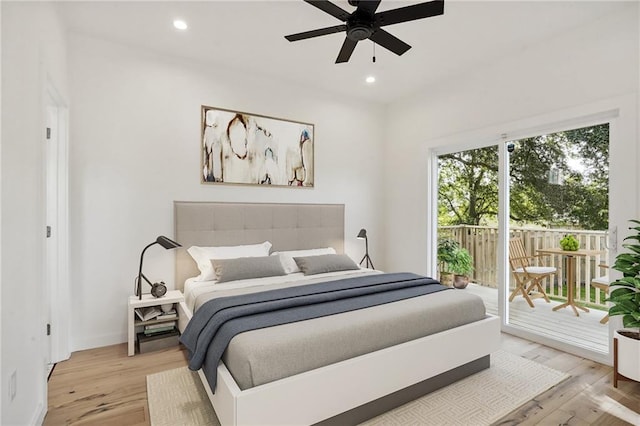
x: 106, y: 387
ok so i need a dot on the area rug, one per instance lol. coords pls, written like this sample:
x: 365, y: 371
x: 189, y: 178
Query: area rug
x: 177, y: 397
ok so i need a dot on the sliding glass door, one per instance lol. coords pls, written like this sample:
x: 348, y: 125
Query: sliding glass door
x: 530, y: 196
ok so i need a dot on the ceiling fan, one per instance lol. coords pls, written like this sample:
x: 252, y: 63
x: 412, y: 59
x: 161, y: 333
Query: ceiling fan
x: 364, y: 23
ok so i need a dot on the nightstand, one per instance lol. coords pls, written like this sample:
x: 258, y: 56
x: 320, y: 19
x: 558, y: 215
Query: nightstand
x: 173, y: 296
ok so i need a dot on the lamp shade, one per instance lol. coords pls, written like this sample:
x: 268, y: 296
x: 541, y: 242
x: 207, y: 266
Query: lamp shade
x: 362, y: 234
x: 167, y: 242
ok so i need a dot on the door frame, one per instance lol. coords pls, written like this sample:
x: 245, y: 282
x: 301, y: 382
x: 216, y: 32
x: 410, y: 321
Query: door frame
x: 622, y: 115
x: 57, y: 287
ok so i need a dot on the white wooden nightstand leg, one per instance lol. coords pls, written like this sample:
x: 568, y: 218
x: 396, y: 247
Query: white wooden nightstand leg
x: 132, y: 331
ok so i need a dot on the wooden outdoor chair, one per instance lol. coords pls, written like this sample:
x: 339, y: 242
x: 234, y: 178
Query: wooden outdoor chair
x: 602, y: 283
x: 527, y: 273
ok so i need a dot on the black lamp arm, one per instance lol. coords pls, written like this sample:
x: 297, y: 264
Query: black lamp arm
x: 140, y: 274
x: 146, y: 279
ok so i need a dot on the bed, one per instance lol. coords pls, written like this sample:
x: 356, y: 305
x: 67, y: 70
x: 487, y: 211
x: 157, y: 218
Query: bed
x: 351, y: 389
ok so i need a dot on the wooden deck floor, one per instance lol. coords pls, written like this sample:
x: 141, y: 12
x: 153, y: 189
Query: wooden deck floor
x: 584, y: 331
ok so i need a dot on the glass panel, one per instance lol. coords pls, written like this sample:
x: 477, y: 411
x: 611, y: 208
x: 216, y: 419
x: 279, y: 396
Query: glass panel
x: 467, y: 221
x: 559, y: 210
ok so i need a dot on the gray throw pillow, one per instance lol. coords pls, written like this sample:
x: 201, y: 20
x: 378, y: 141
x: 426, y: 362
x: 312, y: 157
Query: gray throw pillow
x: 323, y: 263
x: 243, y: 268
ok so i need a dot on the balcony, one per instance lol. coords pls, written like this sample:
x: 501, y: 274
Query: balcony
x: 482, y: 243
x: 583, y: 331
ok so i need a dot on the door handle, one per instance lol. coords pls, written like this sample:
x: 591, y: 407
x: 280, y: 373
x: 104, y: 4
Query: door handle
x: 611, y: 243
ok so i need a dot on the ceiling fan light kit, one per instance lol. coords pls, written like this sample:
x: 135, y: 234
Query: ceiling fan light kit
x: 364, y: 23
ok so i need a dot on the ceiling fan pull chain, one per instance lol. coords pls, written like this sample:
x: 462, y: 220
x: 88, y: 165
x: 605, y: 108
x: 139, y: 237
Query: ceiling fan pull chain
x: 374, y: 52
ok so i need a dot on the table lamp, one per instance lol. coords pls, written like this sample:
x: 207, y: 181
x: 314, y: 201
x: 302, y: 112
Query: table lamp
x: 157, y: 289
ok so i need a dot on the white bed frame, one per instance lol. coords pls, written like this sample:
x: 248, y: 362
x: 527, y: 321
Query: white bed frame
x: 325, y: 392
x: 319, y: 394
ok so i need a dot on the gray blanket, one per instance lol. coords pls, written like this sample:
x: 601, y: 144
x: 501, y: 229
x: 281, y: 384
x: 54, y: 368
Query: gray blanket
x: 219, y: 320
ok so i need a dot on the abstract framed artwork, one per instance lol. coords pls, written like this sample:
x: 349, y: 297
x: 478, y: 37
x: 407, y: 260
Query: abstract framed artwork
x: 250, y: 149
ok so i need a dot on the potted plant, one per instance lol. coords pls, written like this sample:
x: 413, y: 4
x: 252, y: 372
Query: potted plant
x: 625, y: 300
x: 461, y: 266
x: 446, y: 252
x: 569, y: 243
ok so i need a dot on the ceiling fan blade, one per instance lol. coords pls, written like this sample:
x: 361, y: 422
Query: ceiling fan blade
x: 409, y: 13
x: 330, y: 8
x: 368, y: 6
x: 389, y: 42
x: 316, y: 33
x: 346, y: 50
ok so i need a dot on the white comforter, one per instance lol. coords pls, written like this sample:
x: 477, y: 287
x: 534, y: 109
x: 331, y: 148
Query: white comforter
x: 194, y: 289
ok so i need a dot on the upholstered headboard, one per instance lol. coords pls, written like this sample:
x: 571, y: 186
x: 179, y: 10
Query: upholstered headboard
x: 286, y: 226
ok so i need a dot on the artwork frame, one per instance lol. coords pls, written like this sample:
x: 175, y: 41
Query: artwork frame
x: 241, y: 148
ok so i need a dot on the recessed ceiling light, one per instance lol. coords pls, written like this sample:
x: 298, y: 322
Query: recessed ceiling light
x: 180, y: 24
x: 370, y: 79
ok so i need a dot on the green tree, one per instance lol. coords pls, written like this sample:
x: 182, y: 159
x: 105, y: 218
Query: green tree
x: 468, y: 181
x: 533, y: 198
x: 468, y: 186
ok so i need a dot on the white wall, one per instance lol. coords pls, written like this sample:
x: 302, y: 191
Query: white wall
x: 582, y: 66
x: 33, y: 47
x: 1, y: 375
x: 135, y: 147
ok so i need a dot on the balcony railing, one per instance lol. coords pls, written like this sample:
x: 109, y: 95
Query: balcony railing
x: 482, y: 243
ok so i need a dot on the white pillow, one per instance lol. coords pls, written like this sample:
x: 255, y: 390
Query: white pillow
x: 204, y: 255
x: 290, y: 266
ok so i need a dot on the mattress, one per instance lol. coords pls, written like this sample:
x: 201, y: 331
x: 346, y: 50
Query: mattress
x: 261, y: 356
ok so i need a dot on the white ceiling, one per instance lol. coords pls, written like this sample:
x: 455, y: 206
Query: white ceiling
x: 249, y: 35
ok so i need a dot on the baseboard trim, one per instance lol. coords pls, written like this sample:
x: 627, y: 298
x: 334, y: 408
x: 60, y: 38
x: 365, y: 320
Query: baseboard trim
x: 39, y: 414
x: 98, y: 341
